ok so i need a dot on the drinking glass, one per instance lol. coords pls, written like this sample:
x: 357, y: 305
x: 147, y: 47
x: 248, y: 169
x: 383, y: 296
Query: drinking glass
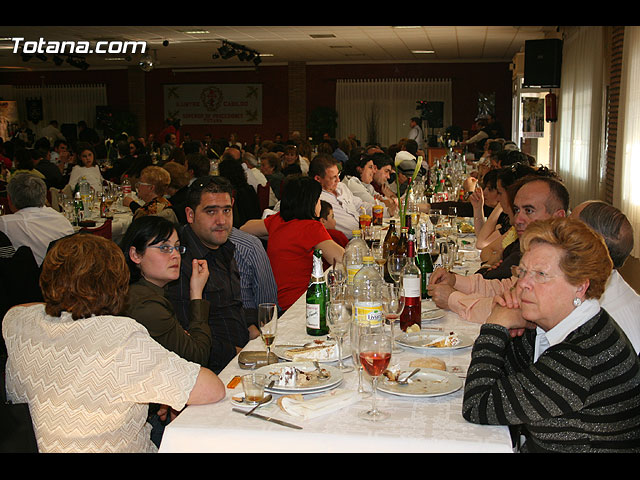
x: 378, y: 256
x: 339, y: 321
x: 434, y: 217
x: 395, y: 264
x: 453, y: 214
x: 354, y: 334
x: 336, y: 275
x: 375, y: 354
x: 392, y: 306
x: 268, y: 322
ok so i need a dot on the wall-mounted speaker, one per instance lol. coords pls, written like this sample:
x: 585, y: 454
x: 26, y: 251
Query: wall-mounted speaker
x: 433, y: 113
x: 542, y: 63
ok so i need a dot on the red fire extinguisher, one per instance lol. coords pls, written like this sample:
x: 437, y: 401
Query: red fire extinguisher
x: 551, y: 104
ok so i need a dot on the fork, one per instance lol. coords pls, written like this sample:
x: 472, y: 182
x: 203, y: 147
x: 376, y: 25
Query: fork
x: 406, y: 380
x: 321, y: 374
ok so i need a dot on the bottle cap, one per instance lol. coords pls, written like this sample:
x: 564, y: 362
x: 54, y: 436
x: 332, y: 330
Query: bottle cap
x: 356, y: 232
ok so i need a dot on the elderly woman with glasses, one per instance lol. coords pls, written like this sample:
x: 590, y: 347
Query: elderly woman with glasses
x: 153, y: 252
x: 571, y: 381
x: 153, y: 184
x: 88, y: 373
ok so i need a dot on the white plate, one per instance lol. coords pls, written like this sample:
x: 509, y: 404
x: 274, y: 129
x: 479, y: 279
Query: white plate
x: 320, y: 384
x: 433, y: 314
x: 428, y: 382
x: 280, y: 350
x: 423, y: 338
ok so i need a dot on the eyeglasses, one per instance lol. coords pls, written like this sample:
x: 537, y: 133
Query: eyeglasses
x: 169, y: 249
x: 144, y: 183
x: 538, y: 277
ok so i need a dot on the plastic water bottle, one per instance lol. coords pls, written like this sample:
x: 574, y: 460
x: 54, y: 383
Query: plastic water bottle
x: 354, y: 252
x: 367, y: 294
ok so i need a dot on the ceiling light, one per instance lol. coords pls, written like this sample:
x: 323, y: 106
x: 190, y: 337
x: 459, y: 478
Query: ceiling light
x: 400, y: 27
x: 146, y: 63
x: 195, y: 32
x: 423, y: 51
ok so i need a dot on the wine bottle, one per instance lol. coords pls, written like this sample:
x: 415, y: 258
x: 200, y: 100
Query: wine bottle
x: 411, y: 281
x: 317, y: 297
x: 389, y: 246
x: 424, y: 261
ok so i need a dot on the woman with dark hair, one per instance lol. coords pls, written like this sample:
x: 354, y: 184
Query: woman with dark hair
x: 86, y: 167
x: 245, y: 199
x: 294, y: 233
x: 88, y: 373
x: 152, y: 249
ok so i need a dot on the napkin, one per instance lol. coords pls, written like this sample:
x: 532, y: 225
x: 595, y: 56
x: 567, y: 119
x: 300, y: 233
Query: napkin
x: 315, y: 407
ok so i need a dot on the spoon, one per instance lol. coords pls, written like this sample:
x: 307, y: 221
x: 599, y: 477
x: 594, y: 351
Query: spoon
x: 406, y: 380
x: 264, y: 400
x: 321, y: 374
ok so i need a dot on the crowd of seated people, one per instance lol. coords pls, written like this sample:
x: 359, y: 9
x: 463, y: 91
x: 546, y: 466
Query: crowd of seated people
x: 202, y: 252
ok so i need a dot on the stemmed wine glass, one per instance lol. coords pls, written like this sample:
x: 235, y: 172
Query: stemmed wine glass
x: 395, y: 264
x: 392, y: 306
x: 375, y: 354
x: 434, y: 217
x: 339, y: 321
x: 377, y: 250
x: 336, y: 275
x: 268, y: 322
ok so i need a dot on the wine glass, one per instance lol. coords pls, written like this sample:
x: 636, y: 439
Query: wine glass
x: 434, y: 217
x: 453, y: 214
x: 339, y: 321
x: 392, y: 306
x: 379, y: 256
x: 268, y: 323
x: 336, y: 275
x: 395, y: 264
x: 354, y: 334
x: 375, y: 354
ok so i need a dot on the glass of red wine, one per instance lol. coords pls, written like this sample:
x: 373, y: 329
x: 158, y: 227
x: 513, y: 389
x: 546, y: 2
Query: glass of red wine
x: 375, y: 347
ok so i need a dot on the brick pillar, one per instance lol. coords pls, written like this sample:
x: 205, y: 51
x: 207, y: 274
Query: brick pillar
x: 615, y: 72
x: 137, y: 103
x: 298, y: 98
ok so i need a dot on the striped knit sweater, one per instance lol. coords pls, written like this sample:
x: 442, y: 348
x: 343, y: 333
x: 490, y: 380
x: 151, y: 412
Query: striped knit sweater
x: 582, y: 395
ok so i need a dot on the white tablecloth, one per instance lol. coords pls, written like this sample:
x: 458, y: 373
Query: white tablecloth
x: 432, y: 424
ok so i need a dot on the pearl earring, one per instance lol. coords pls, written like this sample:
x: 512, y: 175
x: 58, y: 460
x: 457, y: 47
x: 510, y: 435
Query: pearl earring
x: 577, y: 302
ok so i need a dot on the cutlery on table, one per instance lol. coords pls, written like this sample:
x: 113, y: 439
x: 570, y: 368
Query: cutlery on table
x: 406, y: 380
x: 270, y: 419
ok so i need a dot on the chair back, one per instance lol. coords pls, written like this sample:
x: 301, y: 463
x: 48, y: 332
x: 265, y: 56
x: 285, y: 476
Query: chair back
x: 263, y: 192
x: 104, y: 230
x: 54, y: 198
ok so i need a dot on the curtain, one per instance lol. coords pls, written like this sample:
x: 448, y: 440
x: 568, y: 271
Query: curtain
x: 64, y: 103
x: 580, y: 149
x: 381, y: 110
x: 626, y: 193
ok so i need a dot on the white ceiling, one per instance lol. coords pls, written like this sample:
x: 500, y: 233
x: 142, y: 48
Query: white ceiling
x: 311, y: 44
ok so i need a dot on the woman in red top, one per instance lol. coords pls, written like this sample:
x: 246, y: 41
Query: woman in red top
x: 293, y: 234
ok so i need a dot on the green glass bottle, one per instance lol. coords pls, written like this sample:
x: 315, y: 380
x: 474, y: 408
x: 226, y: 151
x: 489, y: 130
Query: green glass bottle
x: 317, y: 298
x: 424, y: 262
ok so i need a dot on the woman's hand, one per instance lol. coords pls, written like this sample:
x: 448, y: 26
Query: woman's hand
x: 477, y: 199
x: 199, y: 277
x: 126, y: 201
x: 506, y: 312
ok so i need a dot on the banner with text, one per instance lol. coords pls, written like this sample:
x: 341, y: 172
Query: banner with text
x: 214, y: 104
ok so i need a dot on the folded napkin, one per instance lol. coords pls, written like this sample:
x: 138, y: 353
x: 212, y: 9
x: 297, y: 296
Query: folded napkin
x: 315, y: 407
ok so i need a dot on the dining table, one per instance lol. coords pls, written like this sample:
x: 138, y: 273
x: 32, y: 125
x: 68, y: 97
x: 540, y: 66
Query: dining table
x: 418, y: 420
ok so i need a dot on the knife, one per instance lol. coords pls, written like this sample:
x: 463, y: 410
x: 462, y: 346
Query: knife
x: 269, y: 419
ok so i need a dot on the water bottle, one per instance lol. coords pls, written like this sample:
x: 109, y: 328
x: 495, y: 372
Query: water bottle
x: 367, y: 294
x: 354, y: 252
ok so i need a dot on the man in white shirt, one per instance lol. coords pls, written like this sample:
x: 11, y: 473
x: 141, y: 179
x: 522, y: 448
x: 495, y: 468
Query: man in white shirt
x: 32, y: 224
x: 51, y: 132
x: 324, y: 169
x: 416, y: 132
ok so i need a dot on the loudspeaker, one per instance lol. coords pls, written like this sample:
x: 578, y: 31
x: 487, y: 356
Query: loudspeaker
x: 542, y: 63
x: 433, y: 113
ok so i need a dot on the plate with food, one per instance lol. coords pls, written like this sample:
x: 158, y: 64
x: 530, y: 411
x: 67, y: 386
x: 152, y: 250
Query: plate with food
x: 300, y: 377
x: 319, y: 350
x: 434, y: 340
x: 428, y: 382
